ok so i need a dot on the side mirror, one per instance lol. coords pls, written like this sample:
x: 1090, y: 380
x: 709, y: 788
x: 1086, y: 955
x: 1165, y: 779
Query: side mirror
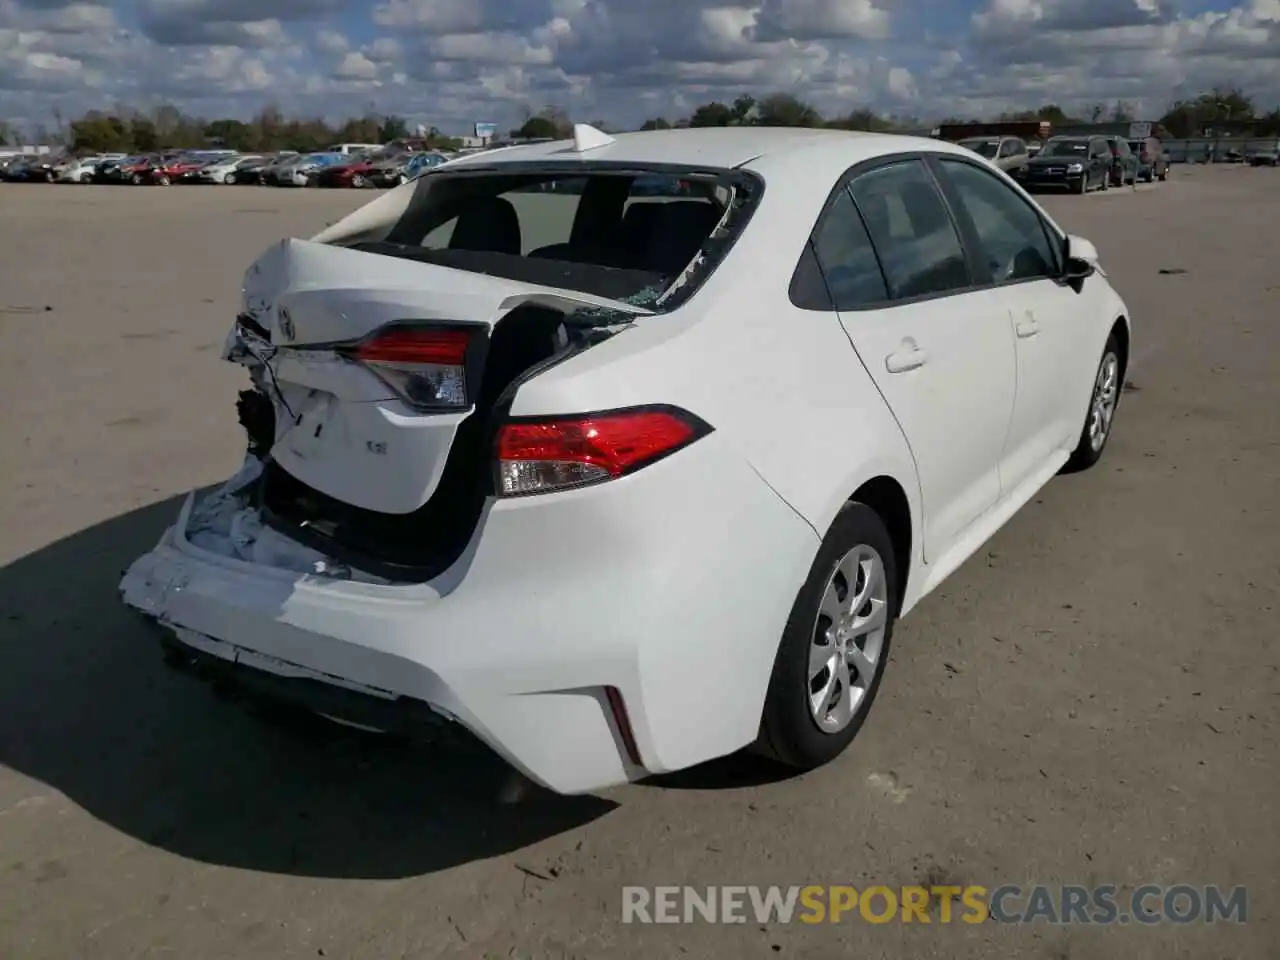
x: 1082, y: 258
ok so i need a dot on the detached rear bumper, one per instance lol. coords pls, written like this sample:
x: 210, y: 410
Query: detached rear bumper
x: 664, y: 594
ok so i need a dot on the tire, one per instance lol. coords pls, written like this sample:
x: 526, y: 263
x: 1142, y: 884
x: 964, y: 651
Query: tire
x: 136, y: 179
x: 86, y: 178
x: 790, y: 730
x: 163, y: 180
x: 1107, y: 382
x: 358, y: 182
x: 229, y: 179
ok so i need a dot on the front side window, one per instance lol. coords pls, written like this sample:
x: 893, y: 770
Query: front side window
x: 919, y: 249
x: 1012, y: 235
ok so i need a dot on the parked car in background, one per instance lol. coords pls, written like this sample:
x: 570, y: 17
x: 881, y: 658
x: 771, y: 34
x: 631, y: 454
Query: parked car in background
x: 267, y: 172
x: 1124, y: 163
x: 250, y: 172
x: 1007, y: 153
x: 15, y: 168
x: 135, y: 170
x: 180, y: 169
x: 1078, y: 164
x: 298, y: 171
x: 1153, y: 161
x: 224, y: 169
x: 354, y: 171
x: 455, y: 439
x: 82, y: 169
x: 1269, y: 157
x: 44, y: 168
x: 354, y: 148
x: 402, y: 169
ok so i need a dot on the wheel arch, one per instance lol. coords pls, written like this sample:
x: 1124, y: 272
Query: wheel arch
x: 886, y: 496
x: 1120, y: 330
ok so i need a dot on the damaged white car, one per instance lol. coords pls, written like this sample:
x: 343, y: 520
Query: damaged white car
x: 623, y: 454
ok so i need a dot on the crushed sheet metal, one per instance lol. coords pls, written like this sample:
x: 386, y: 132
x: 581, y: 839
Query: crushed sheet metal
x: 227, y: 524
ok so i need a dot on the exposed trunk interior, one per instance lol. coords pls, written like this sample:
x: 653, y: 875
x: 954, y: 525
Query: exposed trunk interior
x: 422, y: 544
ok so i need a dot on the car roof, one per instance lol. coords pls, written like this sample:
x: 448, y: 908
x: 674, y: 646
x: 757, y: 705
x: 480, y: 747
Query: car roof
x: 805, y: 150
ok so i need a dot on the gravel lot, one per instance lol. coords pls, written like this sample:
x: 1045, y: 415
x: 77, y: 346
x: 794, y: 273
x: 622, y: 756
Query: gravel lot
x: 1092, y: 699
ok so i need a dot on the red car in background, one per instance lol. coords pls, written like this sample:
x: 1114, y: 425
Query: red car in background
x: 135, y: 170
x: 178, y: 169
x: 355, y: 174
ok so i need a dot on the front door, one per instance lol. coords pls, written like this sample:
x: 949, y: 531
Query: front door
x: 1025, y: 269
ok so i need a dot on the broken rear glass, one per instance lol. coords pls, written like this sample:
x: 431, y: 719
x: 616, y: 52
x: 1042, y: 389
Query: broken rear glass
x: 619, y: 232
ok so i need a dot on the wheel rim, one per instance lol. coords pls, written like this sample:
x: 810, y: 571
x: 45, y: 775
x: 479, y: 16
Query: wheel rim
x: 848, y: 638
x: 1103, y: 407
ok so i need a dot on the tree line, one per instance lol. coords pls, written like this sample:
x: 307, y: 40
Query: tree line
x: 167, y: 127
x: 1183, y: 118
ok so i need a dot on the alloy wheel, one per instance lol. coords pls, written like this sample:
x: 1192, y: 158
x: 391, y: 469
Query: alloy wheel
x: 848, y: 638
x: 1102, y: 408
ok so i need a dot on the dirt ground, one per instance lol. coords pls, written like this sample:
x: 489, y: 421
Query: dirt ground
x: 1091, y: 699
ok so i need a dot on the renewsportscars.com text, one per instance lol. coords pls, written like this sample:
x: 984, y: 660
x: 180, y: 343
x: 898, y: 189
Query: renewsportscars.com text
x: 1147, y: 904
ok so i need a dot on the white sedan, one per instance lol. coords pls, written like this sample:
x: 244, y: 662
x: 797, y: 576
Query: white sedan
x: 81, y: 169
x: 621, y: 480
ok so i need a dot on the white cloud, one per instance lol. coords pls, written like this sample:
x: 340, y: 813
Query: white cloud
x: 356, y: 66
x: 449, y: 62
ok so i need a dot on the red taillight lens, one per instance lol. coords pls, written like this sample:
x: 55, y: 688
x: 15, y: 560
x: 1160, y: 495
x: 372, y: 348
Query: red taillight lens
x: 409, y: 345
x: 547, y: 454
x: 426, y: 366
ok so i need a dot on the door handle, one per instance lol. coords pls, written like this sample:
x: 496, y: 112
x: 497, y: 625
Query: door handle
x: 910, y: 357
x: 1028, y: 326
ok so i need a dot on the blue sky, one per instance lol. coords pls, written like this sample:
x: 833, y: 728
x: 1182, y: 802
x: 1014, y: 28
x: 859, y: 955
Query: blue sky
x: 451, y: 62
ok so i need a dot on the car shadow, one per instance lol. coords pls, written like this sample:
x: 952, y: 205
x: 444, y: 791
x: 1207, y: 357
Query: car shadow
x: 737, y: 771
x: 87, y: 707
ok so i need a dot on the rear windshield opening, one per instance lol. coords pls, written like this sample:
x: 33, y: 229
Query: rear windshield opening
x: 617, y: 233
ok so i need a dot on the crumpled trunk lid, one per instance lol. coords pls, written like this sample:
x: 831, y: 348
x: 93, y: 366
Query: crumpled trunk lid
x: 339, y: 427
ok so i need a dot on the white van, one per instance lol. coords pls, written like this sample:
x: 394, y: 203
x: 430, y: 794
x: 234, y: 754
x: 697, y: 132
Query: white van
x: 353, y: 147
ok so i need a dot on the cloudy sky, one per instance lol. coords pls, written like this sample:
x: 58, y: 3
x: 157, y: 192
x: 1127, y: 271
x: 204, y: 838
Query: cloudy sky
x: 451, y: 62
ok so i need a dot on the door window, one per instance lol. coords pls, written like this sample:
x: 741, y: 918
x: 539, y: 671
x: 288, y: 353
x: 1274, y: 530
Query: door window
x: 846, y: 257
x: 911, y: 230
x: 1014, y: 241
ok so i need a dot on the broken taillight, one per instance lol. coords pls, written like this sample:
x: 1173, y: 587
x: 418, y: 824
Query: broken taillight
x: 545, y: 454
x: 426, y: 366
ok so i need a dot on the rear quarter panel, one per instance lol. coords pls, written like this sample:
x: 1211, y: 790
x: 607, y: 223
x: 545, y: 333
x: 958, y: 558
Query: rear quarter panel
x: 783, y: 385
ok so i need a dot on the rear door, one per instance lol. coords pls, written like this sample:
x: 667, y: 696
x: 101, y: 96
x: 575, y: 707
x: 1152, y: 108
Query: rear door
x: 940, y: 352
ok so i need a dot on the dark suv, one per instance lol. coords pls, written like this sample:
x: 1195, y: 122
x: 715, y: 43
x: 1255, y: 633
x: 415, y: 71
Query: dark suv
x: 1124, y: 162
x: 1078, y: 164
x: 1153, y: 162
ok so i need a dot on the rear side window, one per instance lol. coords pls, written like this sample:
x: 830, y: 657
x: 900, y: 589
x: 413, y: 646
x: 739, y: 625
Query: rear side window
x: 846, y: 257
x: 919, y: 249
